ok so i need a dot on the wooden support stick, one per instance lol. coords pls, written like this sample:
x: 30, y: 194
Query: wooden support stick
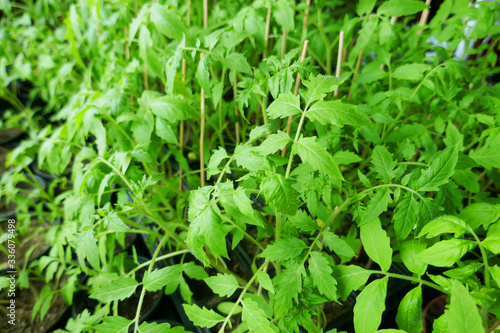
x: 296, y: 91
x: 181, y: 124
x: 423, y: 18
x: 202, y: 135
x: 266, y: 33
x: 339, y: 59
x: 304, y: 23
x: 283, y: 43
x: 356, y: 70
x: 205, y: 14
x: 237, y: 129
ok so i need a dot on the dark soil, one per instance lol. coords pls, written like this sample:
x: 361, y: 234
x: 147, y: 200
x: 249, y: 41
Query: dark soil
x: 128, y: 307
x: 24, y: 243
x: 25, y: 300
x: 129, y: 239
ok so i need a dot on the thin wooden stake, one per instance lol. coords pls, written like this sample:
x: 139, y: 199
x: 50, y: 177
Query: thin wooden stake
x: 304, y: 23
x: 356, y: 70
x: 205, y: 14
x: 202, y: 135
x: 127, y: 49
x: 181, y: 124
x: 394, y: 19
x: 296, y: 91
x: 283, y: 43
x: 202, y: 106
x: 266, y: 33
x: 146, y: 85
x: 423, y: 18
x: 237, y: 129
x: 339, y: 59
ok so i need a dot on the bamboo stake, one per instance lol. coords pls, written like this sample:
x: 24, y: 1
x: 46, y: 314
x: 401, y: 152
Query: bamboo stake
x: 339, y: 59
x: 283, y: 43
x: 202, y: 135
x: 202, y: 106
x: 356, y: 70
x: 423, y: 18
x: 181, y: 124
x: 296, y: 91
x: 237, y: 129
x: 266, y: 33
x: 304, y: 23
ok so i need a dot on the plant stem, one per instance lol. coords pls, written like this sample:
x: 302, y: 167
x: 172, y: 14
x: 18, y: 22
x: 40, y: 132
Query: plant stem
x: 412, y: 279
x: 242, y: 295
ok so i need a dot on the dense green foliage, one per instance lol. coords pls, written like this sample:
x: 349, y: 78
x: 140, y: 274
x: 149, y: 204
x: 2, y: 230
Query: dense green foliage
x: 396, y: 158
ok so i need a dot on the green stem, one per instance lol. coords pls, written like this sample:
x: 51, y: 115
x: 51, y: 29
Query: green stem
x: 412, y: 279
x: 143, y: 291
x: 163, y: 257
x: 242, y: 295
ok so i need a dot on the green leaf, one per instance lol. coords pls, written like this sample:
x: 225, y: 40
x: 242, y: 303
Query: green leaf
x: 349, y: 278
x: 303, y: 222
x: 318, y: 86
x: 165, y: 132
x: 401, y: 7
x: 215, y: 158
x: 159, y: 328
x: 206, y: 229
x: 377, y: 244
x: 159, y: 278
x: 116, y: 290
x: 339, y: 246
x: 265, y: 281
x: 488, y: 155
x: 114, y: 223
x: 222, y: 284
x: 480, y: 213
x: 411, y: 72
x: 439, y: 172
x: 279, y: 190
x: 285, y: 105
x: 346, y: 157
x: 255, y: 317
x: 383, y: 164
x: 273, y: 143
x: 377, y: 205
x: 86, y: 248
x: 365, y: 7
x: 202, y: 316
x: 167, y: 21
x: 405, y: 216
x: 249, y: 159
x: 284, y: 249
x: 446, y: 252
x: 137, y: 22
x: 492, y: 243
x: 173, y: 109
x: 463, y: 315
x: 316, y: 155
x: 444, y: 224
x: 409, y: 317
x: 321, y: 274
x: 370, y: 304
x: 203, y: 75
x: 495, y: 274
x: 283, y: 13
x: 408, y: 251
x: 288, y: 286
x: 336, y: 113
x: 114, y: 324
